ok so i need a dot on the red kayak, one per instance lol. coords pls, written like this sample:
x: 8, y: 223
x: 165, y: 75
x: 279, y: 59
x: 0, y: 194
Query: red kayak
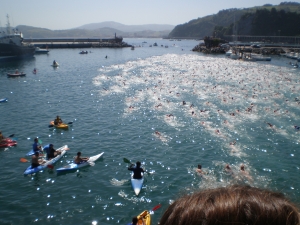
x: 7, y: 142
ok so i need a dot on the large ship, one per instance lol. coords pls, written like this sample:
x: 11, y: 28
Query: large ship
x: 12, y: 46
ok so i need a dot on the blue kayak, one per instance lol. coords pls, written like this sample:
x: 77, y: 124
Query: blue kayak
x: 30, y: 170
x: 73, y: 166
x: 31, y: 152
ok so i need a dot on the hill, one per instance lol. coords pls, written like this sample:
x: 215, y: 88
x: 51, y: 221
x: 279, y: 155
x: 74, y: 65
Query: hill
x: 127, y: 28
x: 247, y: 21
x: 99, y: 30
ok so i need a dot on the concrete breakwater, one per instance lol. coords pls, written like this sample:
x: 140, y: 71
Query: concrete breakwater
x: 77, y: 43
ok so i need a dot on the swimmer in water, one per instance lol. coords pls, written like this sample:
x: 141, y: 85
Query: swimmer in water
x: 199, y: 170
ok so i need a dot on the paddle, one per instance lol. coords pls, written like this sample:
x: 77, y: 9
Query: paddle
x: 25, y: 160
x: 54, y: 125
x: 156, y: 208
x: 11, y: 135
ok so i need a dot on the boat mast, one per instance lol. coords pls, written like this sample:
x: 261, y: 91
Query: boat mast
x: 8, y: 30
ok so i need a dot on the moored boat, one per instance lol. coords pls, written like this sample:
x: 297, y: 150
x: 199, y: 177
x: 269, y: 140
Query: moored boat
x: 31, y: 170
x: 73, y: 166
x: 12, y: 46
x: 41, y: 50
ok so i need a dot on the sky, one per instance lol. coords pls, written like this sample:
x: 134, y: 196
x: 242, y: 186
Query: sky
x: 68, y: 14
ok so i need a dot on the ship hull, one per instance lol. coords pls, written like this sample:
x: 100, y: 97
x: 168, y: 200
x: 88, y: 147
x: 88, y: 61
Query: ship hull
x: 9, y: 52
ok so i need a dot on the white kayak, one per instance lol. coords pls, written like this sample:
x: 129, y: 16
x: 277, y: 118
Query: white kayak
x: 30, y: 170
x: 137, y: 184
x: 73, y: 166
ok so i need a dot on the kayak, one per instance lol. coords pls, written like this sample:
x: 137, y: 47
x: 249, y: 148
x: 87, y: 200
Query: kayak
x: 60, y: 126
x: 73, y: 166
x: 7, y: 142
x: 16, y: 74
x: 137, y: 184
x: 30, y: 170
x: 55, y: 65
x: 144, y: 218
x: 3, y: 100
x: 31, y: 152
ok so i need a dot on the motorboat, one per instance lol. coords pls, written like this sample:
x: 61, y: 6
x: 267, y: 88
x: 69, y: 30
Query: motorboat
x: 12, y: 46
x: 83, y: 52
x: 259, y: 57
x: 41, y: 50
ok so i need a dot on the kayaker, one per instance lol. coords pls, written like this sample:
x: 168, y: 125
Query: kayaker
x: 137, y: 170
x: 54, y: 63
x: 51, y: 152
x: 79, y: 160
x: 57, y: 120
x: 36, y: 147
x: 35, y: 161
x: 134, y: 221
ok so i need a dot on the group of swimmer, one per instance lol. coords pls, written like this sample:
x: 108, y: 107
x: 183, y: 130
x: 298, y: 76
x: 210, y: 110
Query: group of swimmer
x: 228, y: 170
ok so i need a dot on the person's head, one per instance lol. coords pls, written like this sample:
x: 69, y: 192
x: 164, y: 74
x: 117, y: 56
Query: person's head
x: 57, y: 117
x: 36, y: 153
x: 134, y: 220
x: 51, y: 146
x: 242, y: 167
x: 199, y: 166
x: 36, y: 140
x: 0, y: 132
x: 238, y: 205
x: 78, y: 153
x: 138, y: 164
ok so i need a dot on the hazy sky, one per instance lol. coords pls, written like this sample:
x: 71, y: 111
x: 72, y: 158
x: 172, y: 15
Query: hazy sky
x: 67, y: 14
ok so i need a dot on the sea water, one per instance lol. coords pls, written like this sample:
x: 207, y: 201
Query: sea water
x: 198, y: 103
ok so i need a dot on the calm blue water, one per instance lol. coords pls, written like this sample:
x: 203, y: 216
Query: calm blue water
x: 96, y: 93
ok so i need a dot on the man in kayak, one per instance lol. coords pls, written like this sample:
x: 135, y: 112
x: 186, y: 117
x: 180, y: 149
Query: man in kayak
x: 137, y: 170
x: 57, y: 120
x: 35, y: 161
x: 134, y: 221
x: 51, y: 152
x: 36, y: 147
x: 79, y: 160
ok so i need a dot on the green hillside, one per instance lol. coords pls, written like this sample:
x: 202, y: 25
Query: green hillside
x: 261, y: 20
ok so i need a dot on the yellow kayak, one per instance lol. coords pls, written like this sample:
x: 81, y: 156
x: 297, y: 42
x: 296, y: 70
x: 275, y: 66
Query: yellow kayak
x: 60, y: 126
x: 144, y: 216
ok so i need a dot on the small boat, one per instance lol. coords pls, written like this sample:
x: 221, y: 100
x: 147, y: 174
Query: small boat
x: 41, y: 50
x: 73, y: 166
x: 137, y: 184
x: 30, y: 170
x: 16, y: 74
x: 55, y: 64
x: 144, y: 218
x: 7, y: 142
x: 3, y: 100
x: 83, y: 52
x: 132, y: 47
x: 59, y: 126
x: 228, y: 53
x: 155, y: 44
x: 259, y: 57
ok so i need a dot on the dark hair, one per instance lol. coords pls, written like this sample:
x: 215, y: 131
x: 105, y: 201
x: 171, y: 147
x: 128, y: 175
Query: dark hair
x: 134, y: 220
x: 199, y: 166
x: 78, y: 153
x: 138, y: 163
x: 51, y: 145
x: 238, y: 205
x: 36, y: 139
